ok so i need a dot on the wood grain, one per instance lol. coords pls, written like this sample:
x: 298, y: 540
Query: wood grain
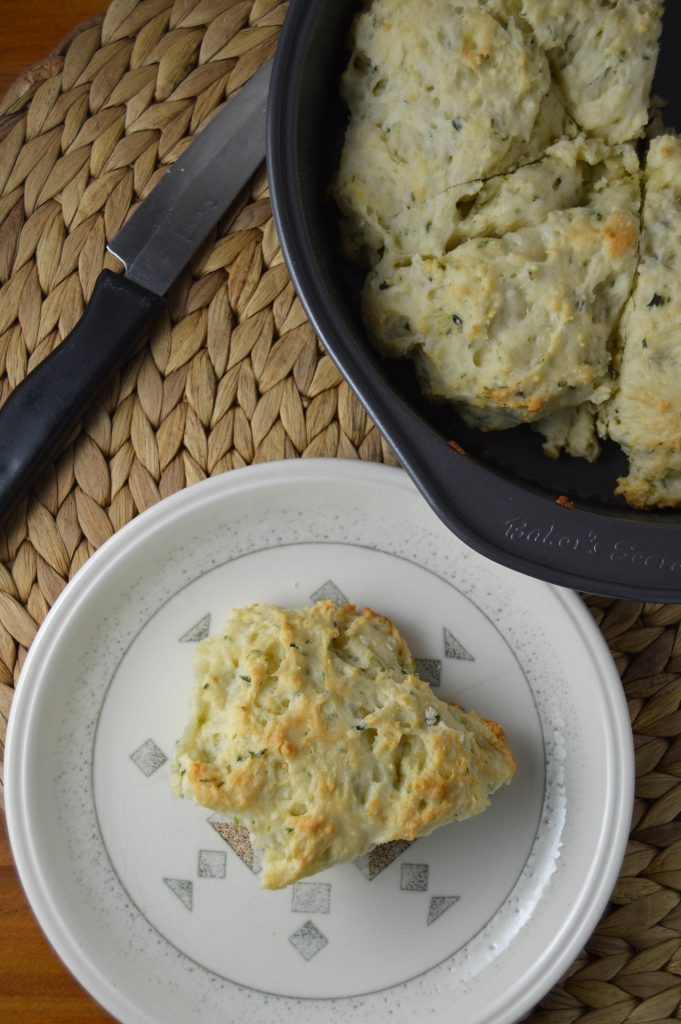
x: 34, y: 984
x: 32, y: 30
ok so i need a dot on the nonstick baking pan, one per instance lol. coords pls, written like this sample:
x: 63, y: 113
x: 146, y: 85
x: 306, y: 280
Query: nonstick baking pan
x: 556, y: 520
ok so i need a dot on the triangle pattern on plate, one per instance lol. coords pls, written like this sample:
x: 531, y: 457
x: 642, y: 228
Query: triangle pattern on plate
x: 183, y: 889
x: 329, y: 592
x: 373, y: 863
x: 199, y: 631
x: 239, y: 841
x: 438, y: 906
x: 454, y: 648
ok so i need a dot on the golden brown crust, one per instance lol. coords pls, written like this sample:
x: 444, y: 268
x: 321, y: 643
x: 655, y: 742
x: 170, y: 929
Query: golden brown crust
x: 313, y: 727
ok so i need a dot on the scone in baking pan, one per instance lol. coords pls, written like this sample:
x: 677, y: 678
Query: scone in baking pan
x: 555, y: 520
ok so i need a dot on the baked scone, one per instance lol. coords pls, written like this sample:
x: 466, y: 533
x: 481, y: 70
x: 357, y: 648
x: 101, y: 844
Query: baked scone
x: 517, y: 327
x: 603, y: 57
x: 644, y: 416
x: 467, y: 96
x: 312, y: 726
x: 573, y: 172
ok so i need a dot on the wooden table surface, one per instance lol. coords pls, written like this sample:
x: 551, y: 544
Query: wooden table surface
x: 35, y: 987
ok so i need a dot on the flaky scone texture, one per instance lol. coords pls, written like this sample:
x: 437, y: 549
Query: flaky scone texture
x: 490, y: 184
x: 313, y: 728
x: 644, y: 416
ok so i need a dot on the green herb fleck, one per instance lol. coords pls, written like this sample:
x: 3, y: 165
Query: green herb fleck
x: 557, y: 183
x: 429, y: 225
x: 457, y: 320
x: 644, y: 343
x: 656, y: 301
x: 383, y: 286
x: 246, y: 679
x: 612, y: 372
x: 457, y: 124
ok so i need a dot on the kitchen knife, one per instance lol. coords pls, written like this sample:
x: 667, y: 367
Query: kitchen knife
x: 155, y: 245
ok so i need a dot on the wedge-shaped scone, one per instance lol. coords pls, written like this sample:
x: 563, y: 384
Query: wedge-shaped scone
x: 515, y: 328
x: 467, y: 96
x: 644, y: 416
x: 312, y: 727
x: 603, y: 55
x: 572, y: 173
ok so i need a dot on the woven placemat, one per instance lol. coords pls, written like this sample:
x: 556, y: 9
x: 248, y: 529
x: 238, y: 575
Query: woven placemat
x: 233, y: 374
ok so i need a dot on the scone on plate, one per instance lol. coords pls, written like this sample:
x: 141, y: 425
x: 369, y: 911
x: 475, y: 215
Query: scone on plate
x: 312, y: 727
x: 644, y: 416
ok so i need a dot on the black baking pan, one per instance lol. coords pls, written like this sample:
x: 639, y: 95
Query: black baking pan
x: 556, y: 520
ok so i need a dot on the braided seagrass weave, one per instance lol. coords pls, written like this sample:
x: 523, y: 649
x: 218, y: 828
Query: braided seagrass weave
x: 231, y: 375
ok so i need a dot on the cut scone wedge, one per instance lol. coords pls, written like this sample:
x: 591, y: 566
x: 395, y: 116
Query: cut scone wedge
x: 516, y: 328
x: 312, y: 727
x: 644, y: 416
x: 466, y: 96
x: 603, y: 56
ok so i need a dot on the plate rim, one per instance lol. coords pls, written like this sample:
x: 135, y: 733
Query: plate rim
x: 609, y: 854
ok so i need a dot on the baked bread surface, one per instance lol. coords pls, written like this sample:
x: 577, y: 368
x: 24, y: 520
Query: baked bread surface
x: 644, y: 416
x: 312, y: 727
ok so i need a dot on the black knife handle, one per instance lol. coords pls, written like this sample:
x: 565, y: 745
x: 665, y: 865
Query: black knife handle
x: 42, y: 411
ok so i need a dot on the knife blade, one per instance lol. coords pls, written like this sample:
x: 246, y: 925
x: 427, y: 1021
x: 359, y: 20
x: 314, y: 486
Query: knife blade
x: 154, y: 245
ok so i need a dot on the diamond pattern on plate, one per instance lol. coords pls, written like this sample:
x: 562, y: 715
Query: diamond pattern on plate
x: 148, y: 758
x: 199, y: 631
x: 308, y: 940
x: 237, y: 837
x: 212, y: 864
x: 430, y: 670
x: 438, y: 905
x: 371, y: 864
x: 183, y: 889
x: 311, y: 898
x: 454, y: 648
x: 414, y: 877
x: 329, y: 592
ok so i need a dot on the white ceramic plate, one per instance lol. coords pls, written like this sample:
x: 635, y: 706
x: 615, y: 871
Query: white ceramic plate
x: 143, y: 896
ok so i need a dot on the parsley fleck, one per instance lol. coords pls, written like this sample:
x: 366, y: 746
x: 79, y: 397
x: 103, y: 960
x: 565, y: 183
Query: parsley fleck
x: 457, y: 320
x: 246, y: 679
x: 644, y: 343
x: 457, y: 124
x: 557, y: 183
x: 382, y: 287
x: 656, y: 301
